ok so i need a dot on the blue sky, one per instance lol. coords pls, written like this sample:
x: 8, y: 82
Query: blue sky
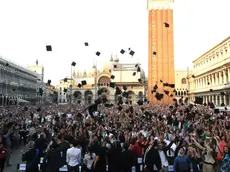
x: 108, y: 25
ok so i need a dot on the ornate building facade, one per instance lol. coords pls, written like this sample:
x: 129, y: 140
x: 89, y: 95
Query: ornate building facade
x: 17, y: 84
x: 210, y: 77
x: 98, y: 81
x: 181, y: 84
x: 160, y: 47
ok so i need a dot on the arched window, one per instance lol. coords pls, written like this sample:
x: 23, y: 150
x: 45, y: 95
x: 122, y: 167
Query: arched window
x: 183, y: 81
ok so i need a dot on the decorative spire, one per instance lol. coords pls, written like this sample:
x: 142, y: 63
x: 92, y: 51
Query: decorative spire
x: 111, y: 58
x: 116, y: 59
x: 37, y: 62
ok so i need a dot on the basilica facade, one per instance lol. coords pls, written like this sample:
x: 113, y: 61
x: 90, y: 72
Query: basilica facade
x: 128, y: 76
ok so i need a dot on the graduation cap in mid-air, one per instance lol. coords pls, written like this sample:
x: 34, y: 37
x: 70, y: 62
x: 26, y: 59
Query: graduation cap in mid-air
x: 79, y: 85
x: 65, y: 90
x: 138, y: 69
x: 132, y: 52
x: 98, y: 53
x: 73, y: 63
x: 83, y: 82
x: 166, y: 24
x: 49, y: 82
x: 139, y: 80
x: 122, y: 51
x: 112, y: 76
x: 48, y: 48
x: 86, y: 44
x: 155, y: 87
x: 134, y: 73
x: 166, y: 92
x: 65, y: 79
x: 112, y: 84
x: 154, y: 53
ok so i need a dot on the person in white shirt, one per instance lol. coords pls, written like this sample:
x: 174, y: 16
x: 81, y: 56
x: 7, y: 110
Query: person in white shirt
x: 89, y: 159
x: 73, y: 158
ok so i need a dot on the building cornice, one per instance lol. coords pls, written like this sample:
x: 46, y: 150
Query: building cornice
x: 216, y: 50
x: 159, y: 4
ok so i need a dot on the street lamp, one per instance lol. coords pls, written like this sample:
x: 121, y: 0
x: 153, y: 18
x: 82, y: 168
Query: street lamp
x: 73, y: 64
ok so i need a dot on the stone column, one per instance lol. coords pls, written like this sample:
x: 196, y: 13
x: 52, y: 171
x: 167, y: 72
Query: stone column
x: 225, y: 77
x: 225, y: 102
x: 220, y: 99
x: 220, y: 78
x: 216, y: 102
x: 216, y: 79
x: 228, y: 75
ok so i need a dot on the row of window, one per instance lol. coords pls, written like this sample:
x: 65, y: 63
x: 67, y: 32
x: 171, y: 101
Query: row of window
x: 212, y: 59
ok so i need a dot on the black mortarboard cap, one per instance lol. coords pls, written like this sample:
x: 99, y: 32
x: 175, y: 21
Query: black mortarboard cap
x: 49, y: 82
x: 124, y: 87
x: 131, y: 52
x: 86, y: 44
x: 155, y: 87
x: 166, y: 92
x: 171, y: 95
x: 161, y: 81
x: 79, y: 85
x: 73, y: 63
x: 165, y: 84
x: 153, y: 91
x: 129, y: 49
x: 65, y: 79
x: 112, y: 76
x: 112, y: 85
x: 122, y: 51
x: 211, y: 90
x: 139, y: 80
x: 48, y: 48
x: 134, y: 73
x: 136, y: 65
x: 65, y: 90
x: 166, y: 24
x: 98, y: 53
x: 83, y: 82
x: 138, y: 69
x: 172, y: 85
x: 115, y: 66
x: 154, y: 53
x: 174, y: 90
x: 208, y: 83
x: 193, y: 76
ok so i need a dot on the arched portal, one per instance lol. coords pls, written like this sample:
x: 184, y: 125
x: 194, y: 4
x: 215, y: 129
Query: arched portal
x: 141, y: 96
x: 88, y: 97
x: 77, y: 96
x: 103, y: 81
x: 131, y: 97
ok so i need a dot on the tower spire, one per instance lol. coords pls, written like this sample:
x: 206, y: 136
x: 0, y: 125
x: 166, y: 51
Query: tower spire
x: 37, y: 62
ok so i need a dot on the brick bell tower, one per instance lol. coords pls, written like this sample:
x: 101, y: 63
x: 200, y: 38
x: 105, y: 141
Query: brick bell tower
x: 160, y: 49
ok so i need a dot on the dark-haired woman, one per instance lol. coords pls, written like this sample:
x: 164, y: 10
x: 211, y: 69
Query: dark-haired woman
x: 89, y: 159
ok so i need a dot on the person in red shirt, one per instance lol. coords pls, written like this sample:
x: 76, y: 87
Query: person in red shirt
x: 2, y: 157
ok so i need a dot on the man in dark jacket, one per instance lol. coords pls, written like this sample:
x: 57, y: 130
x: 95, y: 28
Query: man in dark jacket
x: 51, y: 159
x: 152, y: 157
x: 31, y: 157
x: 63, y: 146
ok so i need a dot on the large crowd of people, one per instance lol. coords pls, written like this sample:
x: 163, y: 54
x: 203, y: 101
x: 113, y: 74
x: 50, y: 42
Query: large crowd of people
x: 117, y: 138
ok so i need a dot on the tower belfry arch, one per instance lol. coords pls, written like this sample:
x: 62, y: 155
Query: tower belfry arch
x: 160, y: 48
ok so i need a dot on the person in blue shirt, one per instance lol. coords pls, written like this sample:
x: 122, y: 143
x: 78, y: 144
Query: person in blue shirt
x: 182, y: 162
